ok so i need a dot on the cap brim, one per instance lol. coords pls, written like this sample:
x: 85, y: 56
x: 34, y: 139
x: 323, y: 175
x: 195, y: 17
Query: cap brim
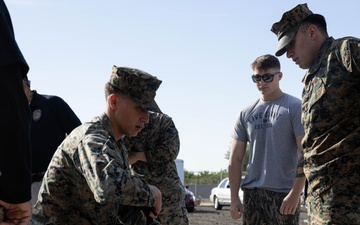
x: 283, y: 42
x: 149, y: 105
x: 154, y: 107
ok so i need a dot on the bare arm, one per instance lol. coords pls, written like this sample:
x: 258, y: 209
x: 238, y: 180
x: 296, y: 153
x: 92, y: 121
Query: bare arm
x: 237, y: 153
x: 158, y: 201
x: 291, y: 201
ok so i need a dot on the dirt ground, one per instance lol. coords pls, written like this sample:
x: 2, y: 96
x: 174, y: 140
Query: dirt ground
x: 205, y: 214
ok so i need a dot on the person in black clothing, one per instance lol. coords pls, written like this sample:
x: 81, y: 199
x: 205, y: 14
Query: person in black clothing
x: 15, y: 153
x: 51, y: 120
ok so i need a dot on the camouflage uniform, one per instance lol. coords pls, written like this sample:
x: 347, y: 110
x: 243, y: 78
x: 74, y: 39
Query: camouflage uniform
x: 262, y: 206
x: 159, y: 140
x: 88, y: 180
x: 331, y: 118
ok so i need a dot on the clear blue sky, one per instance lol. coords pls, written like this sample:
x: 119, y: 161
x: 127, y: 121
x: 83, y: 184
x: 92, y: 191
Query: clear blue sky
x: 200, y: 49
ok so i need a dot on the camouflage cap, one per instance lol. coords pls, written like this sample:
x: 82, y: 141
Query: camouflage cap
x: 286, y: 28
x: 140, y: 86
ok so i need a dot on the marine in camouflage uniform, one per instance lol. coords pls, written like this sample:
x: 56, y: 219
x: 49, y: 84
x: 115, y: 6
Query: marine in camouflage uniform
x: 88, y: 180
x: 331, y: 118
x: 160, y: 143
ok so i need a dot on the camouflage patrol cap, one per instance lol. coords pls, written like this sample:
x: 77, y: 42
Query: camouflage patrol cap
x: 138, y: 85
x: 286, y: 28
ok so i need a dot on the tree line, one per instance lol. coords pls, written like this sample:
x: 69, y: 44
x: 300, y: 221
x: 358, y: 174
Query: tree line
x: 206, y: 177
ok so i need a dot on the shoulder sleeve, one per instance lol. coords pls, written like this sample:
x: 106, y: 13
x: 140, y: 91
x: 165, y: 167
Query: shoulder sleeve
x: 67, y: 118
x: 104, y: 165
x: 350, y: 55
x: 295, y: 112
x: 239, y: 131
x: 165, y: 143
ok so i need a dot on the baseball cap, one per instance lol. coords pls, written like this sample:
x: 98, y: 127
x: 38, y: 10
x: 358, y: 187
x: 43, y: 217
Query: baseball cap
x: 286, y: 28
x: 138, y: 85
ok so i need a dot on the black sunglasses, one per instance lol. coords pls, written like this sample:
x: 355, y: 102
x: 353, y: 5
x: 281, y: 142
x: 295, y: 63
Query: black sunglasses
x: 267, y: 78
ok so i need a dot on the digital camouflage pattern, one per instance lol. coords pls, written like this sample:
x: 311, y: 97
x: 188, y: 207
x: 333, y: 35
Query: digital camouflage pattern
x: 159, y: 140
x: 331, y: 118
x: 88, y: 181
x: 139, y: 85
x: 286, y: 28
x: 262, y: 207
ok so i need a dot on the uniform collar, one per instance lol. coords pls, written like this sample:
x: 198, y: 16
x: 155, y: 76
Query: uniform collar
x: 319, y: 59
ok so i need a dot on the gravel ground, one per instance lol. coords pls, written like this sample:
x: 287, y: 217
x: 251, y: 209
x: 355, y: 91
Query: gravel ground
x: 205, y: 214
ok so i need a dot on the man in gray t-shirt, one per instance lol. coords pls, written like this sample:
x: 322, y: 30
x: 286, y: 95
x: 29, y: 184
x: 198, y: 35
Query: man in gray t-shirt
x: 272, y: 126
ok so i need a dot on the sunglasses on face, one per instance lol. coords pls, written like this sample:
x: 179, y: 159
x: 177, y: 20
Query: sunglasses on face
x: 267, y: 78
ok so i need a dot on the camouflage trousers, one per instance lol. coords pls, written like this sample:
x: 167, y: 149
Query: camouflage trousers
x: 339, y: 204
x: 262, y: 207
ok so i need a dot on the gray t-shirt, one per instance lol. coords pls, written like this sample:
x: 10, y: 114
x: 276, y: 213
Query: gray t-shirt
x: 271, y: 128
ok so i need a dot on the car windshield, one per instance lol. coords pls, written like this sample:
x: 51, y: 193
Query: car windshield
x: 223, y: 183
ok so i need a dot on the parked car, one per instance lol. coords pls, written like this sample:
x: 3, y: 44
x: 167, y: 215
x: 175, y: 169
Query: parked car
x: 220, y: 195
x: 189, y: 200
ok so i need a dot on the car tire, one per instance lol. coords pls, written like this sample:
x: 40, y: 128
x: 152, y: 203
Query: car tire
x: 217, y: 205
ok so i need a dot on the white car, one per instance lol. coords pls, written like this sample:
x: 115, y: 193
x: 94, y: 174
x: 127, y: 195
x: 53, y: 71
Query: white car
x: 220, y: 195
